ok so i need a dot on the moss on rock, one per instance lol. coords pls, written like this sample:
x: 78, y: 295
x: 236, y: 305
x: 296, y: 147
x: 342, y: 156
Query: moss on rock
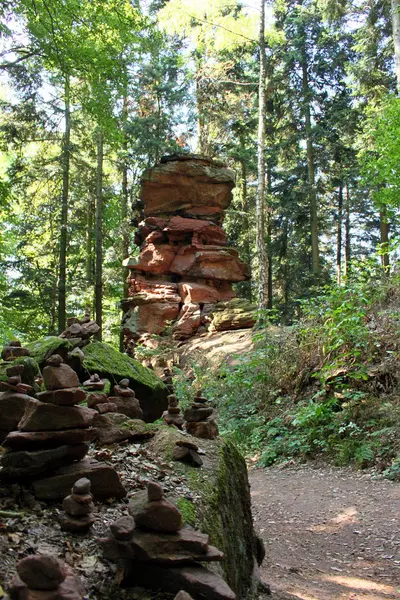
x: 30, y: 372
x: 188, y: 511
x: 103, y: 359
x: 237, y: 313
x: 42, y: 349
x: 224, y: 510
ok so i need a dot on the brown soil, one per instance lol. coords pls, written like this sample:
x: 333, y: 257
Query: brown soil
x: 330, y: 534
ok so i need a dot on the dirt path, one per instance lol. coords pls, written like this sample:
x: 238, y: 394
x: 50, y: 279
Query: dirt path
x: 330, y: 534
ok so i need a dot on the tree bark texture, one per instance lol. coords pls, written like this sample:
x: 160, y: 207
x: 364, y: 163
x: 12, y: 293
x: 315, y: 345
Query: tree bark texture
x: 347, y: 242
x: 260, y: 209
x: 396, y: 38
x: 99, y: 235
x: 246, y: 226
x: 62, y: 276
x: 124, y: 210
x: 384, y: 230
x: 316, y: 267
x: 339, y: 235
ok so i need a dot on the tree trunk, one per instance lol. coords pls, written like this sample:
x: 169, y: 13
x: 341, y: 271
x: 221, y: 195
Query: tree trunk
x: 316, y: 267
x: 62, y: 276
x: 347, y: 242
x: 396, y: 38
x: 202, y: 128
x: 339, y: 236
x: 124, y: 211
x: 89, y: 240
x: 246, y: 226
x: 260, y: 212
x: 99, y: 236
x: 384, y: 228
x: 269, y: 237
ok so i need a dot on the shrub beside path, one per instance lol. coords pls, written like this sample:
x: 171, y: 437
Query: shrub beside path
x: 330, y: 533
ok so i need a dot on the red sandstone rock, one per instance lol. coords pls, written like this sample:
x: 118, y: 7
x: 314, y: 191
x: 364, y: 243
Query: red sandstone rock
x: 194, y: 292
x: 188, y: 321
x: 156, y: 259
x: 35, y: 440
x: 48, y: 417
x: 153, y: 318
x: 202, y: 232
x: 209, y: 263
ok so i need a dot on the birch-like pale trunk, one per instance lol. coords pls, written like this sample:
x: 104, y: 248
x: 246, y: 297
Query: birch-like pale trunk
x: 98, y: 291
x: 396, y: 38
x: 260, y: 208
x: 62, y: 273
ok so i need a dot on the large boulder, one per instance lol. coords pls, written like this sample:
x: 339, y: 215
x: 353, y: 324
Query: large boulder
x: 222, y: 508
x: 152, y: 394
x: 238, y: 313
x: 42, y: 349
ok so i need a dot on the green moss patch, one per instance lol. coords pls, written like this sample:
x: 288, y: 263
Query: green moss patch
x: 42, y: 349
x: 103, y: 359
x: 188, y: 511
x: 31, y: 369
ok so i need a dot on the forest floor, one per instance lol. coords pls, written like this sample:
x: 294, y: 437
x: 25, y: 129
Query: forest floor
x: 329, y: 533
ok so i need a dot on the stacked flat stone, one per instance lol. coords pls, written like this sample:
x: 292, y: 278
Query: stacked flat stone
x: 167, y: 380
x: 159, y: 553
x: 13, y: 401
x: 199, y: 421
x: 173, y: 416
x: 80, y: 330
x: 96, y: 397
x: 43, y: 577
x: 13, y: 350
x: 53, y: 432
x: 125, y: 401
x: 185, y: 267
x: 187, y: 452
x: 78, y: 507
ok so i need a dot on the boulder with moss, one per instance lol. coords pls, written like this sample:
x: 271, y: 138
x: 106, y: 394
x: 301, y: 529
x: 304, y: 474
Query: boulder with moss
x: 42, y: 349
x: 31, y: 369
x: 105, y: 360
x: 222, y: 506
x: 238, y: 313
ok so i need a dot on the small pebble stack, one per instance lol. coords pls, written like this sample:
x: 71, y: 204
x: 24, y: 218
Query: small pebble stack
x: 79, y: 331
x: 173, y: 416
x: 167, y: 380
x: 42, y: 577
x: 96, y: 397
x: 125, y: 401
x: 187, y: 452
x: 199, y: 421
x: 78, y: 506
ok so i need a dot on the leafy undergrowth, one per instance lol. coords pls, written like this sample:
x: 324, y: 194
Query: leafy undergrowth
x: 327, y: 387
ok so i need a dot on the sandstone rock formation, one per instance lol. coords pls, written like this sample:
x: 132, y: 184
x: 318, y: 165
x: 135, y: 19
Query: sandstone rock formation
x: 185, y: 267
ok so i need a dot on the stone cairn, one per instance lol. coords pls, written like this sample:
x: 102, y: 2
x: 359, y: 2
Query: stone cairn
x: 14, y: 400
x: 173, y: 416
x: 96, y: 396
x: 159, y: 553
x: 167, y: 380
x: 79, y: 331
x: 187, y: 452
x: 185, y: 267
x: 125, y: 400
x: 199, y: 421
x: 43, y: 577
x: 14, y: 350
x: 50, y: 438
x: 78, y: 507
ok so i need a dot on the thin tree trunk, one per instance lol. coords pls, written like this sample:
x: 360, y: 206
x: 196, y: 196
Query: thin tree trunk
x: 260, y: 212
x: 124, y: 211
x: 89, y: 240
x: 269, y: 236
x: 396, y: 38
x: 62, y: 276
x: 347, y: 242
x: 316, y: 267
x: 339, y: 236
x: 202, y: 131
x: 384, y: 229
x: 99, y: 236
x: 245, y: 209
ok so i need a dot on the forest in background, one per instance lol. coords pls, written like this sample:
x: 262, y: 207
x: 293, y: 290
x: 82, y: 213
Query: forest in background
x: 92, y: 93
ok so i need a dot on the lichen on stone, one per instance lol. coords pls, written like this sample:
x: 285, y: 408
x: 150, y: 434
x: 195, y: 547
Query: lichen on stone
x: 41, y: 349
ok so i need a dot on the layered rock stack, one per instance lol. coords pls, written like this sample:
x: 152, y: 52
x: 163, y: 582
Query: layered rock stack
x: 173, y: 416
x: 187, y: 452
x: 51, y: 438
x: 185, y: 267
x: 159, y: 553
x: 79, y: 331
x: 97, y: 397
x: 199, y: 419
x: 13, y: 401
x: 13, y: 350
x: 53, y: 432
x: 168, y: 380
x: 43, y: 577
x: 125, y: 401
x: 78, y: 506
